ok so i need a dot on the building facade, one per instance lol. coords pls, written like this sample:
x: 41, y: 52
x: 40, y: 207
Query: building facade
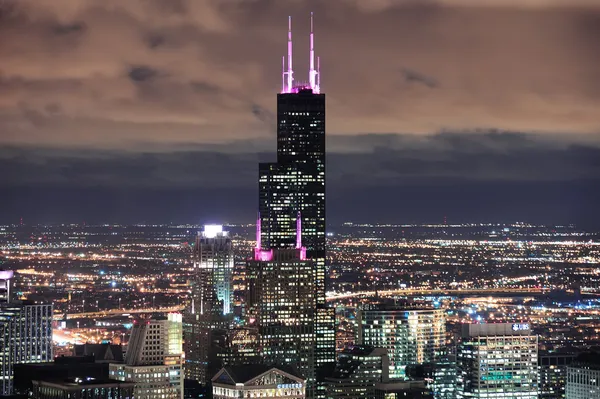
x: 281, y: 303
x: 410, y: 335
x: 258, y: 381
x: 553, y: 373
x: 497, y: 361
x: 154, y: 359
x: 25, y: 337
x: 207, y: 321
x: 212, y: 291
x: 583, y: 377
x: 83, y: 388
x: 357, y: 371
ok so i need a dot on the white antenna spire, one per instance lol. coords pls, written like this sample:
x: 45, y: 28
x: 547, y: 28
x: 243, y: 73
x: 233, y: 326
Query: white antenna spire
x: 312, y: 74
x: 283, y: 74
x: 290, y: 71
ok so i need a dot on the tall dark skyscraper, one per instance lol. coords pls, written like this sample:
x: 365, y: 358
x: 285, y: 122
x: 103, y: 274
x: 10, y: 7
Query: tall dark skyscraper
x: 287, y: 277
x: 296, y: 182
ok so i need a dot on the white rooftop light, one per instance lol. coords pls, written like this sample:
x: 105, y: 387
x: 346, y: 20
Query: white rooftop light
x: 211, y: 230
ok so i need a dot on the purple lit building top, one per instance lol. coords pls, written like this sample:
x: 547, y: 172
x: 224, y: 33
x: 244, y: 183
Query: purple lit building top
x: 267, y: 255
x: 314, y: 73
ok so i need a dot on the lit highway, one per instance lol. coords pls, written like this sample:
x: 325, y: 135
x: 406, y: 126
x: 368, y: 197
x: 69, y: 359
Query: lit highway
x: 117, y: 312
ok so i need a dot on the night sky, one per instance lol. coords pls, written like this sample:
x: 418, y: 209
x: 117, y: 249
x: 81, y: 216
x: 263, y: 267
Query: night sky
x: 160, y: 110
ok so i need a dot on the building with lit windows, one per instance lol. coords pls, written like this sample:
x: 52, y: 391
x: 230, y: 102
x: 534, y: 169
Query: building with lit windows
x: 410, y: 335
x: 292, y: 189
x: 25, y: 337
x: 153, y: 360
x: 258, y: 381
x: 497, y: 361
x: 206, y: 323
x: 282, y: 306
x: 583, y: 377
x: 357, y: 371
x: 553, y: 373
x: 212, y: 291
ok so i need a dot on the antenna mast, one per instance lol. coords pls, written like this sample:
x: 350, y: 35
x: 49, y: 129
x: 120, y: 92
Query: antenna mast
x: 312, y: 73
x: 290, y: 71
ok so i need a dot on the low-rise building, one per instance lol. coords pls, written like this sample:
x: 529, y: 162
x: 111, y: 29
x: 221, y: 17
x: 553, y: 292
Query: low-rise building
x: 258, y: 381
x: 83, y: 388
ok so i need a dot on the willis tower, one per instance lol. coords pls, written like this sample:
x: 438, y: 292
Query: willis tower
x: 291, y: 242
x: 295, y: 184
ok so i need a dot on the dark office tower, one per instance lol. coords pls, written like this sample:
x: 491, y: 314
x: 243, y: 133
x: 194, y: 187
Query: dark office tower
x: 293, y: 188
x: 281, y: 303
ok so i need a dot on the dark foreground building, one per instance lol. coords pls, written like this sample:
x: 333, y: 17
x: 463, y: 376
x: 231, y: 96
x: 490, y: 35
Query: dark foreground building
x: 83, y: 388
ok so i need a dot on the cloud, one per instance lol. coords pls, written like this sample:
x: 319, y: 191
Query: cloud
x: 153, y: 73
x: 353, y: 161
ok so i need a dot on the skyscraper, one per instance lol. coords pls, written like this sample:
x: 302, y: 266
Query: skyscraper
x: 213, y: 267
x: 154, y: 359
x: 292, y: 193
x: 296, y: 182
x: 411, y: 335
x: 25, y: 337
x: 497, y: 361
x: 207, y: 321
x: 281, y: 303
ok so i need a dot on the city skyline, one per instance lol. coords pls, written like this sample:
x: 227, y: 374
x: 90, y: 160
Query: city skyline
x: 428, y: 117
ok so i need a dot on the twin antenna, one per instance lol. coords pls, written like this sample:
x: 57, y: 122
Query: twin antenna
x: 314, y: 75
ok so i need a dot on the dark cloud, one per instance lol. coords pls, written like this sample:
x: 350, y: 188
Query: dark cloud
x: 69, y: 29
x: 413, y: 76
x: 142, y: 73
x: 382, y: 160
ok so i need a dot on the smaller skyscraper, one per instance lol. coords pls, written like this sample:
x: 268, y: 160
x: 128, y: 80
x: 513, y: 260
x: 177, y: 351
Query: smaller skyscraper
x: 411, y: 335
x: 207, y: 321
x: 213, y: 265
x: 497, y: 361
x: 25, y: 337
x: 153, y: 360
x: 583, y: 377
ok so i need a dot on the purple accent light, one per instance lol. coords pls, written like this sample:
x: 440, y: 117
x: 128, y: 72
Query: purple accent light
x: 258, y: 233
x: 299, y: 231
x: 263, y: 255
x: 303, y: 253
